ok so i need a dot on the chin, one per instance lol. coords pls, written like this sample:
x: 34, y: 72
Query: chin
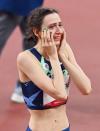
x: 57, y: 42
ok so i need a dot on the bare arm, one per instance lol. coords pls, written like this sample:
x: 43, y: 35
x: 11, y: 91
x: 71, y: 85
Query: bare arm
x: 29, y: 65
x: 78, y: 76
x: 58, y: 80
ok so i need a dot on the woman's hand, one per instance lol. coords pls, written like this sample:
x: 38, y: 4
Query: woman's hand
x: 63, y: 49
x: 48, y: 43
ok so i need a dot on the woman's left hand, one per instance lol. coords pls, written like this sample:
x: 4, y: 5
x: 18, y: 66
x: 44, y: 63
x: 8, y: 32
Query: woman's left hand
x: 62, y: 52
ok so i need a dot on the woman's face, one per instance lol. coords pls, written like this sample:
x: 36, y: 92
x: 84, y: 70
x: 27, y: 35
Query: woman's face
x: 54, y: 24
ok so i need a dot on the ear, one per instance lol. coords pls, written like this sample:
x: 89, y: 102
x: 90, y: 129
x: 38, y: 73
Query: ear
x: 36, y: 32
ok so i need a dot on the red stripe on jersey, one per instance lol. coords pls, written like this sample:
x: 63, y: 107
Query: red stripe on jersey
x: 55, y: 103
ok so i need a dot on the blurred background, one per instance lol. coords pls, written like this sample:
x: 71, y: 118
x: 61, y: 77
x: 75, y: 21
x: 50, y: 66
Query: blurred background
x: 81, y: 20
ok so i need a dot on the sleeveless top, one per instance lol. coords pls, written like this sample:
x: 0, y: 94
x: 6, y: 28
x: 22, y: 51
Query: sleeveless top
x: 34, y: 97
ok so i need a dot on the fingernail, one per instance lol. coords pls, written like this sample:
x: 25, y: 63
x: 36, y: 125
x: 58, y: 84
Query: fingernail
x: 45, y: 28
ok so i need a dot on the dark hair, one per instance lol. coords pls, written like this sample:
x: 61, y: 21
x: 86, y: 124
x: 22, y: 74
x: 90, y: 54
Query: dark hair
x: 35, y: 20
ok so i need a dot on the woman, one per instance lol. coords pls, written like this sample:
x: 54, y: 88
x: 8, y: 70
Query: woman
x: 45, y: 71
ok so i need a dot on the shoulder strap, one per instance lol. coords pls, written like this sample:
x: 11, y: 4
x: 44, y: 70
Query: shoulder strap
x: 35, y: 53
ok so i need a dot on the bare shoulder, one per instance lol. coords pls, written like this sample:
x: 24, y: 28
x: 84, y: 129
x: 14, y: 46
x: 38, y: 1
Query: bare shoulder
x: 21, y: 56
x: 25, y: 57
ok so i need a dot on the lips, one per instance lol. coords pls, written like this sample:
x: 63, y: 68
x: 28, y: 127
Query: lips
x: 57, y: 37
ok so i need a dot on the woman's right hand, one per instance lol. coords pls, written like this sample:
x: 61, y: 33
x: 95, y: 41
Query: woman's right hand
x: 48, y: 43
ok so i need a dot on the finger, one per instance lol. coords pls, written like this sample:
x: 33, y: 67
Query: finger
x: 45, y: 37
x: 42, y: 38
x: 64, y: 33
x: 52, y: 38
x: 49, y: 41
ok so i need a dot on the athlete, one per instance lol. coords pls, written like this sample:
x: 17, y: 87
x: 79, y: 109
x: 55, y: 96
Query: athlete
x: 45, y: 71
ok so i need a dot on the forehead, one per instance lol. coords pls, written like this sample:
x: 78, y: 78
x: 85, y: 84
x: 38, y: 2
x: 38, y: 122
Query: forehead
x: 51, y: 18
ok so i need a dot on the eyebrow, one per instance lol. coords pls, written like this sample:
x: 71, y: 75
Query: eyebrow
x: 53, y: 24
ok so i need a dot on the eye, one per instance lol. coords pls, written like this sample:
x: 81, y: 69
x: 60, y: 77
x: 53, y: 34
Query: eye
x: 51, y: 27
x: 60, y: 25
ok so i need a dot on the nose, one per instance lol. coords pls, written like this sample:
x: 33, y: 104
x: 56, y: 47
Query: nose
x: 58, y: 29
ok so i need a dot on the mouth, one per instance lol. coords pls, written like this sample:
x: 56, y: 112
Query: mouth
x: 57, y: 38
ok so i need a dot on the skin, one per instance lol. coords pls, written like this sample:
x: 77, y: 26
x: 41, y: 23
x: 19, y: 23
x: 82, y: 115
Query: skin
x: 53, y: 46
